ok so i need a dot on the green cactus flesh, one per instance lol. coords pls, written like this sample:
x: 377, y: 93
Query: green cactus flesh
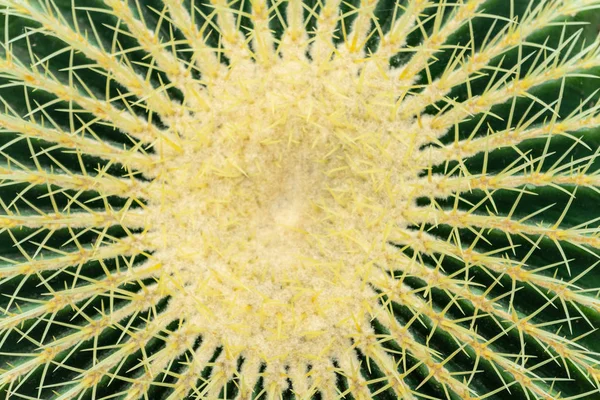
x: 361, y: 199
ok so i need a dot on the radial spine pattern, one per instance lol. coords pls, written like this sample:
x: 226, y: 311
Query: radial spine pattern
x: 363, y: 199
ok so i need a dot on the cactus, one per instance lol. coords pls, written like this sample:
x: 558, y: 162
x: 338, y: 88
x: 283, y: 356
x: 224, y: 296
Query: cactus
x: 361, y: 199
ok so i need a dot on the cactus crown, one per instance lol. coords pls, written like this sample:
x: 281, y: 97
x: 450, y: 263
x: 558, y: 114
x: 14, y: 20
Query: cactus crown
x: 299, y: 199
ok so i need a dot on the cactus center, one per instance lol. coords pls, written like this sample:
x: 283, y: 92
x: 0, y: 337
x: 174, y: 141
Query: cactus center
x: 281, y: 204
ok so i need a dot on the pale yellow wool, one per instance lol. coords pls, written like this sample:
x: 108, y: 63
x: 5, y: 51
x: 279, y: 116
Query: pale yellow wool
x: 281, y: 203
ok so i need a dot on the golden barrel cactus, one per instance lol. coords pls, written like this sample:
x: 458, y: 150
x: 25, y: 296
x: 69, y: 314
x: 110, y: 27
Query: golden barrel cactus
x: 299, y: 199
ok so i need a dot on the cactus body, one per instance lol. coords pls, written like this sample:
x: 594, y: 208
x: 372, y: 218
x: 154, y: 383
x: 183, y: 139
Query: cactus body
x: 369, y: 199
